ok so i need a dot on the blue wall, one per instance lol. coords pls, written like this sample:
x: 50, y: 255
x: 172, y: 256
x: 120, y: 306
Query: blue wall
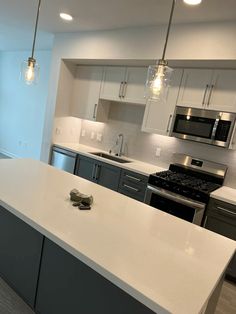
x: 22, y: 107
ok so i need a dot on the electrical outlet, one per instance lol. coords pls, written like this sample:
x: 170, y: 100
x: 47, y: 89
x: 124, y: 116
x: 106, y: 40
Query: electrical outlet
x: 58, y: 131
x: 158, y: 152
x: 83, y: 133
x: 99, y: 137
x: 92, y: 135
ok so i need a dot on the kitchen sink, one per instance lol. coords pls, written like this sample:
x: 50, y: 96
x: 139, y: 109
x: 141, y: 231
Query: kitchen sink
x: 111, y: 157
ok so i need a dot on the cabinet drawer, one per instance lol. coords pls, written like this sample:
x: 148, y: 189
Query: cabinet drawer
x: 133, y: 177
x: 133, y: 185
x: 223, y: 210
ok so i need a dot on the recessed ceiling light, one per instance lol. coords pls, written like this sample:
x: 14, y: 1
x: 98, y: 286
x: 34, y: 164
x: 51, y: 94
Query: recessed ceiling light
x: 66, y: 17
x: 193, y: 2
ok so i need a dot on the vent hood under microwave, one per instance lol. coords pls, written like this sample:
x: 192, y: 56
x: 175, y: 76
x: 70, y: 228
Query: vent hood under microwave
x: 205, y: 126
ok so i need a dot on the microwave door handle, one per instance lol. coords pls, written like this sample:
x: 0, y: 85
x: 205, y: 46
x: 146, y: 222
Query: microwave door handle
x: 204, y: 97
x: 213, y: 134
x: 209, y: 97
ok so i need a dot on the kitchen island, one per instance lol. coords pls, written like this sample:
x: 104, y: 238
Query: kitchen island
x: 122, y: 256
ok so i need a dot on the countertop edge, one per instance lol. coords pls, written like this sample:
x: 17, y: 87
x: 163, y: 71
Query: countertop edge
x: 126, y: 166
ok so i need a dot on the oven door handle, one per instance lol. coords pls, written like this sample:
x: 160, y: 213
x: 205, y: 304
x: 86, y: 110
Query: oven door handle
x: 176, y: 198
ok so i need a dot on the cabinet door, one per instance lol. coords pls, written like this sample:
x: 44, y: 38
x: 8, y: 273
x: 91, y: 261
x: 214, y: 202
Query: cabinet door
x: 134, y: 89
x: 112, y: 83
x: 108, y: 176
x: 20, y: 253
x: 158, y: 115
x: 86, y: 91
x: 66, y: 285
x: 195, y: 88
x: 226, y: 229
x: 223, y: 91
x: 86, y: 168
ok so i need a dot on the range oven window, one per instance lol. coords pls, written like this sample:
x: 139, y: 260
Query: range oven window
x: 195, y: 126
x: 173, y: 208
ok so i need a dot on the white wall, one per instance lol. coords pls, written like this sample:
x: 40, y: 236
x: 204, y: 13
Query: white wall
x: 22, y: 107
x: 205, y: 41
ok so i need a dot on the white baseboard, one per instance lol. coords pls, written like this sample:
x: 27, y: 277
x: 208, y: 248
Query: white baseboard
x: 8, y: 154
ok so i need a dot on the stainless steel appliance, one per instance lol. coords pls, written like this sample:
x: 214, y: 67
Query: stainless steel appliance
x: 63, y: 159
x: 184, y: 189
x: 205, y: 126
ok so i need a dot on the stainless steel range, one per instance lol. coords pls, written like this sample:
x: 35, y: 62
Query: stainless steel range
x: 184, y: 190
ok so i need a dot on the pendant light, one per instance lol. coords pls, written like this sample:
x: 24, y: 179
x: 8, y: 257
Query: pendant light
x: 29, y: 68
x: 159, y: 75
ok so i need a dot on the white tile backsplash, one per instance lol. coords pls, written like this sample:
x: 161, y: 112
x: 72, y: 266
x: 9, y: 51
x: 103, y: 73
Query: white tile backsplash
x: 127, y: 119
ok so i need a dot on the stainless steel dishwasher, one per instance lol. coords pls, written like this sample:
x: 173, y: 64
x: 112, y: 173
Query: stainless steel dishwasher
x: 63, y: 159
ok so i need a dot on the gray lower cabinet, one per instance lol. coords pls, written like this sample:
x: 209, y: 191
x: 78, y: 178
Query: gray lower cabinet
x: 221, y: 218
x: 133, y: 184
x: 66, y: 285
x: 20, y: 253
x: 86, y: 168
x: 99, y: 172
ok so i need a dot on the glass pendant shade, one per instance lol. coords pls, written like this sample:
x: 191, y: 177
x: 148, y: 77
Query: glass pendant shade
x: 158, y: 81
x: 30, y: 71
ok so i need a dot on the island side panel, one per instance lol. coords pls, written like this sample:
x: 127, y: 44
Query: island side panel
x: 66, y: 285
x: 20, y: 253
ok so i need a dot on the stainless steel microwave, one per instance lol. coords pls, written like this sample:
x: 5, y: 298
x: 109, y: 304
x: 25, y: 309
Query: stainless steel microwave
x: 205, y: 126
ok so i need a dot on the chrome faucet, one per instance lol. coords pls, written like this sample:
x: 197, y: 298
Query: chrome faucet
x: 120, y: 142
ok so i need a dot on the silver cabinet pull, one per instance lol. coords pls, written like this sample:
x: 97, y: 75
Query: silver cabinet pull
x: 121, y: 89
x: 97, y: 172
x: 226, y: 211
x: 132, y: 178
x: 93, y: 172
x: 205, y: 222
x: 124, y: 89
x: 204, y: 97
x: 95, y: 111
x: 209, y: 98
x: 131, y: 188
x: 168, y: 125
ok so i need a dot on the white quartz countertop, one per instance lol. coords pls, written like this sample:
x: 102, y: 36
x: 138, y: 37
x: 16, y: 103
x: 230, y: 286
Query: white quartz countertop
x: 134, y: 165
x: 166, y: 263
x: 225, y: 194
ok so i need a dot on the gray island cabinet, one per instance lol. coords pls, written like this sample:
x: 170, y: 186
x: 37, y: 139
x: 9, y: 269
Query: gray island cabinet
x: 66, y: 285
x: 120, y: 257
x: 20, y: 253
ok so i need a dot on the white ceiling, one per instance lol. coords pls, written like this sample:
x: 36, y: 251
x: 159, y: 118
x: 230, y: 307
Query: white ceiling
x: 17, y: 17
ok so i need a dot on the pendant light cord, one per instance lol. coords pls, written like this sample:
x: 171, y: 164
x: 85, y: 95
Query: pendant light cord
x: 35, y: 30
x: 168, y: 29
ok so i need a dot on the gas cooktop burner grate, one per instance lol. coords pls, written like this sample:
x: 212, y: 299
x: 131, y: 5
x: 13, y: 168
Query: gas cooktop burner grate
x: 188, y: 181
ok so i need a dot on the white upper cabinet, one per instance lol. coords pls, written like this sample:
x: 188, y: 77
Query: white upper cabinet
x: 112, y: 84
x: 194, y: 88
x: 223, y: 91
x: 158, y: 115
x: 135, y: 82
x: 208, y: 89
x: 86, y: 91
x: 124, y: 84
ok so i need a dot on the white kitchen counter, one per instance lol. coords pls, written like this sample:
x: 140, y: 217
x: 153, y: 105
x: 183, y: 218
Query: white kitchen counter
x: 134, y: 165
x: 225, y: 194
x: 166, y: 263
